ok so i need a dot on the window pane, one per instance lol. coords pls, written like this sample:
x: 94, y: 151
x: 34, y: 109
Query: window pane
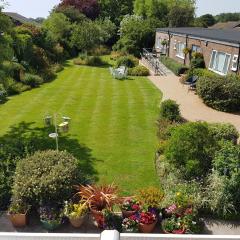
x: 225, y: 68
x: 220, y: 64
x: 213, y: 59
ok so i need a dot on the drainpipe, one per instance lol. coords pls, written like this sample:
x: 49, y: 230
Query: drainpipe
x: 169, y: 44
x: 185, y: 55
x: 238, y: 63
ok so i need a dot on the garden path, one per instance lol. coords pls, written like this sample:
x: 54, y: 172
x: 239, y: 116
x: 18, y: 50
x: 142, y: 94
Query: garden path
x: 191, y: 106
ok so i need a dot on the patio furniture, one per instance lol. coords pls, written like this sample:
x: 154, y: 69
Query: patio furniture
x: 192, y: 82
x: 119, y: 73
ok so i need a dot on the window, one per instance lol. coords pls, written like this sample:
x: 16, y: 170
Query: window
x: 234, y: 63
x: 220, y: 62
x: 196, y: 48
x: 158, y: 42
x: 179, y: 47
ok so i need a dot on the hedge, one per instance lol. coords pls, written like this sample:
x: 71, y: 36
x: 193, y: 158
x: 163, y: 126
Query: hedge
x: 174, y: 66
x: 221, y: 93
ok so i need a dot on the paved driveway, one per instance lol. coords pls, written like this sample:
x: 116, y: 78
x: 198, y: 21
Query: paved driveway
x: 191, y: 106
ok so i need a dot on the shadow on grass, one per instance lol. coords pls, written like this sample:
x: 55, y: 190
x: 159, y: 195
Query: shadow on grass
x: 24, y: 139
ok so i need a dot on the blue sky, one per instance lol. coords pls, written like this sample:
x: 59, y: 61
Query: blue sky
x: 41, y: 8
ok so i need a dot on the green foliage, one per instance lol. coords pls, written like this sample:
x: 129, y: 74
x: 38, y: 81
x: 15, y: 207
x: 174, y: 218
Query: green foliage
x: 3, y: 94
x: 90, y: 34
x: 175, y: 67
x: 221, y: 93
x: 100, y: 51
x: 226, y: 17
x: 205, y: 73
x: 191, y: 148
x: 224, y: 131
x: 32, y: 80
x: 169, y: 110
x: 57, y: 26
x: 206, y: 20
x: 89, y: 60
x: 197, y: 61
x: 115, y: 10
x: 128, y: 61
x: 45, y: 177
x: 138, y: 71
x: 136, y: 33
x: 18, y: 206
x: 112, y: 221
x: 14, y: 87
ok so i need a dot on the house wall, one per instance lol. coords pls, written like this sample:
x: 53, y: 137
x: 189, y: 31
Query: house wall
x: 206, y: 47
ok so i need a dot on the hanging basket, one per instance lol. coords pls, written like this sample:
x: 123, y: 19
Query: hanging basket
x: 64, y: 127
x: 48, y: 121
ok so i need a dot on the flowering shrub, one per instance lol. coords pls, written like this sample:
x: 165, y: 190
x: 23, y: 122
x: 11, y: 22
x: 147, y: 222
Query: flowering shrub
x: 173, y: 225
x: 130, y: 224
x: 147, y: 218
x: 50, y: 214
x: 131, y: 205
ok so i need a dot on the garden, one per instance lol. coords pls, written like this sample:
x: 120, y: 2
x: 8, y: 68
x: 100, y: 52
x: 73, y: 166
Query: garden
x: 48, y: 185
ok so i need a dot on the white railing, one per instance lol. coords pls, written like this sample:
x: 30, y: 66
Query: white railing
x: 111, y: 235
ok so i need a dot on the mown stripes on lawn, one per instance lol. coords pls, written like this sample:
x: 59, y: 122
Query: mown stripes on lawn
x: 113, y: 118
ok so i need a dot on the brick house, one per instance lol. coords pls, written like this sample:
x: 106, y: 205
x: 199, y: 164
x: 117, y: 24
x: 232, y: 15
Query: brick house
x: 220, y: 48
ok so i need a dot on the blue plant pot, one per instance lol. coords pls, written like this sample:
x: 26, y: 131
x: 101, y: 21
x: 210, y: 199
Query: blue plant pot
x: 50, y: 225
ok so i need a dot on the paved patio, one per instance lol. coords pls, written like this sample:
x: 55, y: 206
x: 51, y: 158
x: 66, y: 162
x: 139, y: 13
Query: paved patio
x: 191, y: 106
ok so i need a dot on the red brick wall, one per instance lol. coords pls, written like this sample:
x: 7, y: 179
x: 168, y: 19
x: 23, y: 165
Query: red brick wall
x: 206, y: 48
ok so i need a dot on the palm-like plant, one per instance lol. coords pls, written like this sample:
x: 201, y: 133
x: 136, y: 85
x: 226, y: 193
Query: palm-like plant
x: 99, y: 197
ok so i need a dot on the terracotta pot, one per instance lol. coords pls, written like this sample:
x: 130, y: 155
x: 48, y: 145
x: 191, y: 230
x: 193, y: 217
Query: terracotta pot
x: 147, y: 228
x: 18, y: 220
x: 127, y: 214
x: 77, y: 222
x: 98, y: 218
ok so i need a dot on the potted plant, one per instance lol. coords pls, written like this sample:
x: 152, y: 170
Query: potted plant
x: 130, y: 224
x: 173, y: 225
x: 112, y: 221
x: 76, y: 213
x: 50, y: 217
x: 151, y: 198
x: 17, y: 213
x: 130, y: 207
x: 147, y: 222
x: 98, y: 198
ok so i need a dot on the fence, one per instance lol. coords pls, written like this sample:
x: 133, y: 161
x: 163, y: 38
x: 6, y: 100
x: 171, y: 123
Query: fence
x: 111, y: 235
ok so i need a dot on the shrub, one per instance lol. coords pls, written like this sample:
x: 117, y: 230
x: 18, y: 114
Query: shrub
x: 128, y: 61
x: 221, y: 93
x: 164, y: 128
x: 170, y: 110
x: 138, y: 71
x: 57, y: 68
x: 13, y: 87
x: 197, y: 63
x: 174, y: 66
x: 116, y: 54
x: 220, y: 198
x: 200, y: 72
x: 151, y: 197
x: 100, y: 51
x: 45, y: 177
x: 191, y: 148
x: 3, y: 94
x: 32, y: 80
x: 224, y: 131
x: 94, y: 61
x: 47, y: 74
x: 89, y: 60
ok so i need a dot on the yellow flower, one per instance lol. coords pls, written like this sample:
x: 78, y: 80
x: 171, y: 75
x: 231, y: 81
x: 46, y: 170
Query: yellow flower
x: 178, y: 194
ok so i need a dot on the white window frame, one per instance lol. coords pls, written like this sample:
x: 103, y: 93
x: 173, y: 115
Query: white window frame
x: 234, y: 61
x: 212, y: 69
x: 158, y: 43
x: 177, y: 54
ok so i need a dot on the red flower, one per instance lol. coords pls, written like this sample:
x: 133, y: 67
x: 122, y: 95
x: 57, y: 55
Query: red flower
x: 135, y: 207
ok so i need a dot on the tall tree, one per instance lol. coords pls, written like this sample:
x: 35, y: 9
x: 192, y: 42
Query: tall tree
x: 90, y: 8
x: 115, y: 9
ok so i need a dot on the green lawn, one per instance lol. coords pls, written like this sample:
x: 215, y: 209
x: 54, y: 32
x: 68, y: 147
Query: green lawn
x: 113, y: 122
